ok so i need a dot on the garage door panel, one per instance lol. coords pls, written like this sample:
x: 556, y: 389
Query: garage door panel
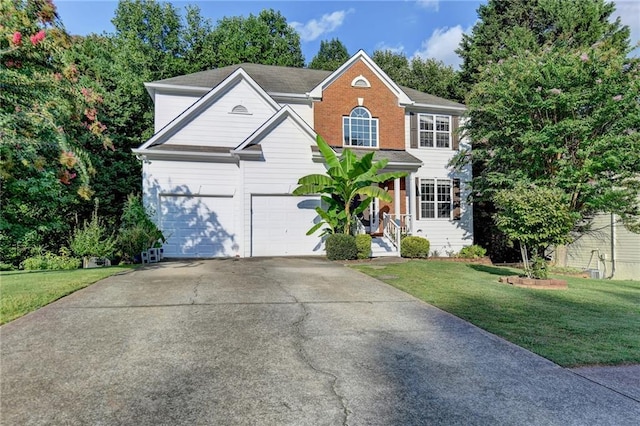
x: 198, y: 226
x: 280, y: 223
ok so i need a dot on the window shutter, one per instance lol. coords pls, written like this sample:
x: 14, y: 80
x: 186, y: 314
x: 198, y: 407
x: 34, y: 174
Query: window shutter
x: 413, y: 134
x: 455, y: 137
x: 456, y: 199
x: 418, y: 206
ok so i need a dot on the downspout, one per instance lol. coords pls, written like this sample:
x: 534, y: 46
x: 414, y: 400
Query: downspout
x: 613, y: 246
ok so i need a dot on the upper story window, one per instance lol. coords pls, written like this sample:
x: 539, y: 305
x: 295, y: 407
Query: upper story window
x: 434, y: 131
x: 360, y: 129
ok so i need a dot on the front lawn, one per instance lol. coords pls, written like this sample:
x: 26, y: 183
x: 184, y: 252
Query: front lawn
x: 592, y: 322
x: 22, y: 292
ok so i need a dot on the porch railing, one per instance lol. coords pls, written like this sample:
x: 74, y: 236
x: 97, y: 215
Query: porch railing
x: 391, y: 229
x: 357, y: 226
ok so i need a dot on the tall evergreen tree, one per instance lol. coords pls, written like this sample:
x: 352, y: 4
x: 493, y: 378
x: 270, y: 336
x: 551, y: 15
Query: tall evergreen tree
x: 331, y: 55
x: 507, y: 26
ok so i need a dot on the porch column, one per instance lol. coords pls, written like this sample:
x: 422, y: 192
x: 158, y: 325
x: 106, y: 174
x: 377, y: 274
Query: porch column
x: 411, y: 201
x: 396, y: 196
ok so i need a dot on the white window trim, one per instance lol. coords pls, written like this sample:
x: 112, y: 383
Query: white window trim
x: 371, y: 120
x: 434, y: 131
x: 358, y: 78
x: 435, y: 201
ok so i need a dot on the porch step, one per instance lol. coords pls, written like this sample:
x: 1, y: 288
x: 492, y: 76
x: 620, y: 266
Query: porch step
x: 381, y: 247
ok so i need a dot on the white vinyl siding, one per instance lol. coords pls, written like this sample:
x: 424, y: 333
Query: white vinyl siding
x: 216, y: 126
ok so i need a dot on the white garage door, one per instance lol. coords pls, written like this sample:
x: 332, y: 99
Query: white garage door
x: 197, y: 226
x: 279, y: 224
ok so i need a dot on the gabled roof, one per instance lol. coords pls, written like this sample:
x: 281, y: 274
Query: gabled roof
x: 204, y: 102
x: 277, y: 80
x: 273, y: 79
x: 403, y: 99
x: 285, y: 113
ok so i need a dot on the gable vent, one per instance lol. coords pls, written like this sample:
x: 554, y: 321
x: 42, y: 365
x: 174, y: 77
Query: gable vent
x: 239, y: 109
x: 360, y: 81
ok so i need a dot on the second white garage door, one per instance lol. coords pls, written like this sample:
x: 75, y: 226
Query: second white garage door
x: 279, y: 224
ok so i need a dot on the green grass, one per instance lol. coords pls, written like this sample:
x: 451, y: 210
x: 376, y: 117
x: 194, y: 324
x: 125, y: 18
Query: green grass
x: 594, y: 322
x: 22, y: 292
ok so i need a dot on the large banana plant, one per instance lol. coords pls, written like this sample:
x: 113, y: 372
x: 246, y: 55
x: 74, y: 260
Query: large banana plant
x: 346, y: 178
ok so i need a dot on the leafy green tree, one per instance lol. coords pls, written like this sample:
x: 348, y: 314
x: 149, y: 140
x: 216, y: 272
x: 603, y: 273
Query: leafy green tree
x: 395, y: 65
x: 45, y: 116
x: 508, y: 26
x: 347, y: 177
x: 330, y: 57
x: 562, y: 118
x: 536, y: 217
x: 263, y: 39
x: 426, y: 75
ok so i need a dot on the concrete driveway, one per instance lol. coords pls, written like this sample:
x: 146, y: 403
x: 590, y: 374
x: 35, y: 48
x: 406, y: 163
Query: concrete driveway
x: 276, y: 342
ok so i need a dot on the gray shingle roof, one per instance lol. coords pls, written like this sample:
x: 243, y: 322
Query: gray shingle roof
x: 276, y: 79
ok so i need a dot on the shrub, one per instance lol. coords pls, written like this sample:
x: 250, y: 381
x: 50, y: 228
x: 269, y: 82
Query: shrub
x: 92, y: 240
x: 539, y: 268
x: 6, y: 266
x: 363, y: 244
x: 341, y: 247
x: 51, y: 261
x: 472, y: 252
x: 137, y: 232
x: 414, y: 246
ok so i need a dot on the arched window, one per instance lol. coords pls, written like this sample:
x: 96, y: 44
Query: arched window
x: 360, y: 129
x: 239, y: 109
x: 360, y: 81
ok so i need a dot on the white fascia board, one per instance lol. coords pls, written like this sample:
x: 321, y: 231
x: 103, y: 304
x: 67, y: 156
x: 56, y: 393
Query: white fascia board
x: 206, y: 157
x: 176, y: 89
x: 201, y: 104
x: 286, y: 112
x: 403, y: 99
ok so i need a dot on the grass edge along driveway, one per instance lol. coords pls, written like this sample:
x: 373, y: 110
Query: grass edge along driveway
x: 22, y: 292
x: 594, y: 322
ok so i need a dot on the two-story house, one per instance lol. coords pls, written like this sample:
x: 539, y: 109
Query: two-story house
x: 231, y: 143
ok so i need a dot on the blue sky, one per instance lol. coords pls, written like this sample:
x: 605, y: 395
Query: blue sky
x: 425, y: 28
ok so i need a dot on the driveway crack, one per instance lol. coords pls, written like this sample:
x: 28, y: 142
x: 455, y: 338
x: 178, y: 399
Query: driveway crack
x: 306, y: 358
x: 194, y: 296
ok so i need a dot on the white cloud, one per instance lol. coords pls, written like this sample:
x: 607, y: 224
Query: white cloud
x: 315, y: 28
x: 442, y: 45
x: 429, y: 4
x: 629, y: 13
x: 399, y: 48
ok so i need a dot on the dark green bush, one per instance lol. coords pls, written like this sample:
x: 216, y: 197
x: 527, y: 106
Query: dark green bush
x: 363, y: 244
x: 472, y: 252
x: 341, y: 247
x: 413, y: 246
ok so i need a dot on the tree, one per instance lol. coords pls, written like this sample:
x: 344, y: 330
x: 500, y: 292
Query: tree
x: 507, y: 26
x: 564, y: 118
x: 429, y: 76
x: 347, y: 177
x: 45, y: 116
x: 395, y: 65
x: 536, y: 217
x: 263, y: 39
x: 331, y: 56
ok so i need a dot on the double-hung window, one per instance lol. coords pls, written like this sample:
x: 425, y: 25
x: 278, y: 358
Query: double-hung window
x: 434, y: 131
x: 360, y: 129
x: 435, y: 198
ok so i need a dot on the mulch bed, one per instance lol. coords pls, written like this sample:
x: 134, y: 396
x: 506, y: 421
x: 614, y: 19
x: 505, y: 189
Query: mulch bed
x: 550, y: 284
